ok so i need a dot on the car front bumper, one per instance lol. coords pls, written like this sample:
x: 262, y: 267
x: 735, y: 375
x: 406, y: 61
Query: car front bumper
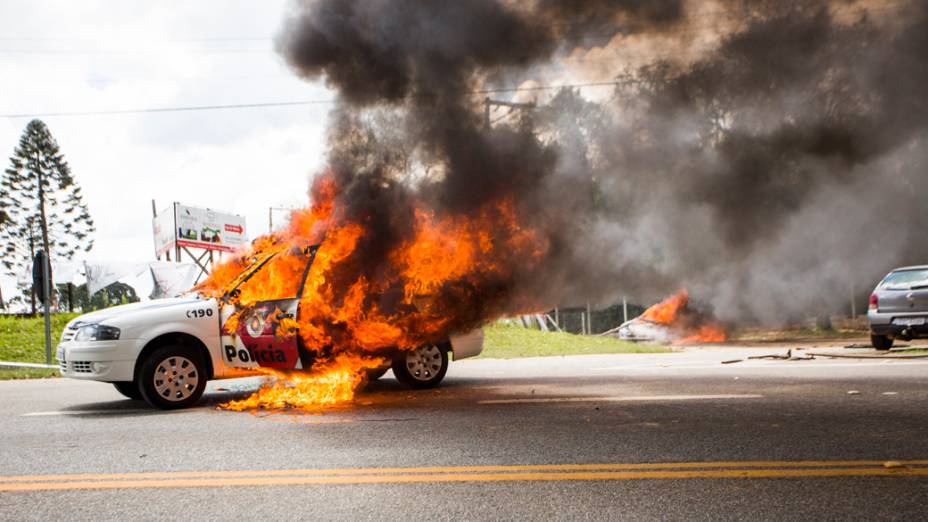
x: 95, y: 360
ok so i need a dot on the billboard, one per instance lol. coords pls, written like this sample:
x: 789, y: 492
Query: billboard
x: 194, y: 227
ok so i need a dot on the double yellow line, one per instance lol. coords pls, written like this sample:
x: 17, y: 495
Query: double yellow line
x: 548, y: 472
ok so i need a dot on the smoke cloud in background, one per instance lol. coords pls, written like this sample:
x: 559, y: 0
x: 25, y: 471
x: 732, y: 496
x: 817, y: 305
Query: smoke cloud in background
x: 766, y: 155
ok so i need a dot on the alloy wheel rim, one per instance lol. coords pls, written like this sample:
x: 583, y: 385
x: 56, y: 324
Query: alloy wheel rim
x: 424, y: 363
x: 176, y: 378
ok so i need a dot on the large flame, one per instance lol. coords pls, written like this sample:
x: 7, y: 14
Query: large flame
x: 672, y: 312
x: 451, y: 274
x: 331, y: 385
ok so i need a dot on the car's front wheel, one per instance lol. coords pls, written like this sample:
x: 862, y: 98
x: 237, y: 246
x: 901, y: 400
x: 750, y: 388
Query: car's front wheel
x: 881, y: 342
x: 173, y: 377
x: 423, y: 367
x: 129, y: 389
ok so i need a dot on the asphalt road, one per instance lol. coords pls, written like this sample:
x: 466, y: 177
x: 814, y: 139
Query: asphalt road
x: 668, y: 436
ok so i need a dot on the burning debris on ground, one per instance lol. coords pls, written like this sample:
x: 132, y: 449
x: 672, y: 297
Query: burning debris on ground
x: 673, y: 321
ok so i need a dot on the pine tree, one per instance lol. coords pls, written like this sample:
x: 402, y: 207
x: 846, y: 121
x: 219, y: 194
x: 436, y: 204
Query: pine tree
x: 4, y: 222
x: 41, y: 203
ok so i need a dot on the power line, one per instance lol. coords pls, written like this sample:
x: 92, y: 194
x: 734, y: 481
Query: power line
x: 168, y: 109
x: 550, y: 87
x: 131, y: 51
x: 292, y: 103
x: 165, y: 40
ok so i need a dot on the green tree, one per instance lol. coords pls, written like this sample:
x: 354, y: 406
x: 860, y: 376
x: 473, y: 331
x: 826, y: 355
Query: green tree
x: 112, y: 295
x: 41, y: 203
x: 4, y: 221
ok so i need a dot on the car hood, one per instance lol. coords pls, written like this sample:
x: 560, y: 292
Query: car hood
x: 115, y: 312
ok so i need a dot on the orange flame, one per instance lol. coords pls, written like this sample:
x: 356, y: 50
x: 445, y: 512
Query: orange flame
x: 333, y: 385
x: 447, y: 277
x: 667, y: 311
x: 671, y: 312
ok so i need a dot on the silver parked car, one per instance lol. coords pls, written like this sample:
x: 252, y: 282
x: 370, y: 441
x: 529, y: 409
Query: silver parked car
x: 899, y: 307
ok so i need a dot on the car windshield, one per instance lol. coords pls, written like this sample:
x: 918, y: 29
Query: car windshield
x: 905, y: 280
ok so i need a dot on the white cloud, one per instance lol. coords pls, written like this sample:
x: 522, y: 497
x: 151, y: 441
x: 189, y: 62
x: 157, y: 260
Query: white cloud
x: 89, y: 56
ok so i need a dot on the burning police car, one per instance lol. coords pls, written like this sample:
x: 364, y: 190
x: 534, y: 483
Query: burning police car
x: 165, y: 351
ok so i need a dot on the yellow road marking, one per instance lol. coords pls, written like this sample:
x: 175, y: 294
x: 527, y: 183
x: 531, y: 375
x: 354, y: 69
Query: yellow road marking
x: 461, y: 477
x: 660, y: 470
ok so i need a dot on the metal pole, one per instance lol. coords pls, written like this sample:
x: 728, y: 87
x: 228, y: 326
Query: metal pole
x: 624, y: 310
x: 270, y: 220
x: 154, y: 214
x: 853, y: 304
x: 47, y: 301
x: 589, y: 319
x: 556, y: 322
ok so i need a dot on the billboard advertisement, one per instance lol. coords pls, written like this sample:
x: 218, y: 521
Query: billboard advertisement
x: 194, y: 227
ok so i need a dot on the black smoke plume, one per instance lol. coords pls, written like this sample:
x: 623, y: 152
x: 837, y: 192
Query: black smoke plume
x: 771, y: 174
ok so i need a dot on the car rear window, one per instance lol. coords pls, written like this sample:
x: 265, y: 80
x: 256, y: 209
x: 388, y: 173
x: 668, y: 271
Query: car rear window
x: 905, y: 279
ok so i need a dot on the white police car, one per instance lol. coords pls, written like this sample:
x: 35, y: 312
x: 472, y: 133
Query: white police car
x: 164, y: 351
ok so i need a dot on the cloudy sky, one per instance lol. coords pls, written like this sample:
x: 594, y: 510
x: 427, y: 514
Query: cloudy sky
x: 99, y: 55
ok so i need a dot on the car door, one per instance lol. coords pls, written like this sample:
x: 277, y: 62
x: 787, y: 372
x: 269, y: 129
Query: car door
x: 266, y: 334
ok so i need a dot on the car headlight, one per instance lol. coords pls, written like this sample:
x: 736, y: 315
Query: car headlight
x: 96, y: 332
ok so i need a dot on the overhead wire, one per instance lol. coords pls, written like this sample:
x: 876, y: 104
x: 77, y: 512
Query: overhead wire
x: 285, y: 103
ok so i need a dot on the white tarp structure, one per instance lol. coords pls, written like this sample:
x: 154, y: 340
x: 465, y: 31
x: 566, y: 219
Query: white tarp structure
x: 102, y: 275
x: 172, y: 279
x: 153, y: 280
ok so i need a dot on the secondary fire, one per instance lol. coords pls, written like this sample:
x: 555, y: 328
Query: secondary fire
x: 364, y: 296
x: 672, y: 320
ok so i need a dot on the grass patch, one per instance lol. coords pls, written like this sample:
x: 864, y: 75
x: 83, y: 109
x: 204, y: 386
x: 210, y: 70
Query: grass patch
x: 912, y: 351
x: 509, y: 342
x: 23, y: 340
x: 795, y: 334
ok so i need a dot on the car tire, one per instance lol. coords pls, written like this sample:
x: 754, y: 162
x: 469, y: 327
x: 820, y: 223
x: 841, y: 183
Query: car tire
x: 375, y: 373
x: 173, y: 377
x: 881, y: 342
x: 421, y: 368
x: 129, y: 389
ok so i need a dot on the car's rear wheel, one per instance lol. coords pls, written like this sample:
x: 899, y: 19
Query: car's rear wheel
x: 881, y: 342
x: 421, y: 368
x: 129, y: 389
x: 173, y: 377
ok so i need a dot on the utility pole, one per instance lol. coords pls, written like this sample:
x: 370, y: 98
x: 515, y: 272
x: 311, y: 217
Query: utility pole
x: 853, y: 303
x: 270, y: 216
x: 46, y: 273
x: 488, y: 103
x: 47, y: 259
x: 589, y: 319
